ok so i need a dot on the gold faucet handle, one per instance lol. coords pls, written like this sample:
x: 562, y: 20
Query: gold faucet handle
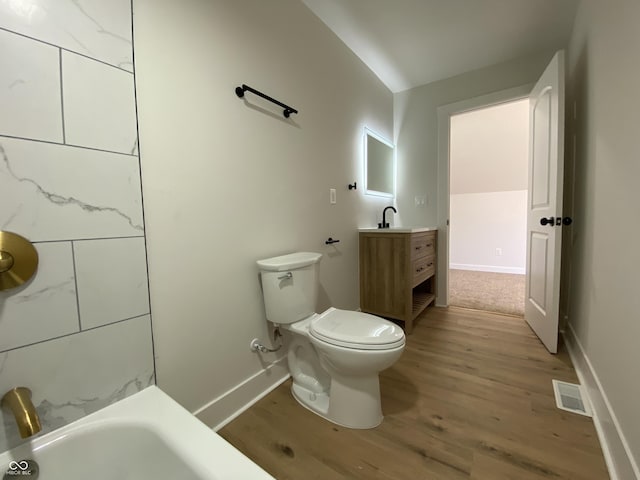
x: 19, y: 401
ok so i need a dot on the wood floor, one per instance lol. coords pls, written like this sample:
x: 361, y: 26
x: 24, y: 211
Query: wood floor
x: 470, y: 398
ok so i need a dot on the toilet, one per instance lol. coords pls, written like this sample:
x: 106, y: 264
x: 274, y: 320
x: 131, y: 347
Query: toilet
x: 334, y: 357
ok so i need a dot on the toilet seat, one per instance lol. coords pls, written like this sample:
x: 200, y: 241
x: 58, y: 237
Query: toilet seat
x: 357, y: 330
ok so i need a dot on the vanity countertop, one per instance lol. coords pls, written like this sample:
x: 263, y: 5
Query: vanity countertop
x: 398, y: 230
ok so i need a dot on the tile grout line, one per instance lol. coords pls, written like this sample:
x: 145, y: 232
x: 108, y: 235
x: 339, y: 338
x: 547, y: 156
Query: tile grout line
x: 139, y: 155
x: 26, y: 139
x: 86, y: 239
x: 66, y: 50
x: 64, y: 134
x: 75, y: 279
x: 75, y: 333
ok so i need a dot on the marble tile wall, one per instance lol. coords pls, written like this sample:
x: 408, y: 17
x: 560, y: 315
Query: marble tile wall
x: 79, y: 333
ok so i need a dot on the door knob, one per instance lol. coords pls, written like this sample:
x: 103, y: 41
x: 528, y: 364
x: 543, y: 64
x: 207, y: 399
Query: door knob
x: 556, y: 221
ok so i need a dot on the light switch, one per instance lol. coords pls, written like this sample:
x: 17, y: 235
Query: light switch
x: 332, y: 196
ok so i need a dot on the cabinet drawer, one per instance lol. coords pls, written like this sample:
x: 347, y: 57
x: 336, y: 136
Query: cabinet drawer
x: 422, y: 269
x: 423, y: 245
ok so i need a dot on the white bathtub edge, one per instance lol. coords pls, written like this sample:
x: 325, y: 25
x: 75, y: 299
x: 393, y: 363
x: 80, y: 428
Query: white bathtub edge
x: 206, y: 452
x: 222, y: 410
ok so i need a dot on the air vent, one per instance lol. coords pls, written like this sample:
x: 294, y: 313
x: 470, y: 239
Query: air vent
x: 570, y: 397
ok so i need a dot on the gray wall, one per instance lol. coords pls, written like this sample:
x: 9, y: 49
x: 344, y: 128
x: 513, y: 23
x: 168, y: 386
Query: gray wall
x: 603, y: 77
x: 228, y: 181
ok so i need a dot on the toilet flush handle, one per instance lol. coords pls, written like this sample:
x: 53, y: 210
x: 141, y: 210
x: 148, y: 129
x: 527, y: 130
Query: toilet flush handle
x: 288, y: 276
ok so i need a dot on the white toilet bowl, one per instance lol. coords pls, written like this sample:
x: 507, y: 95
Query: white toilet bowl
x: 336, y: 378
x: 334, y: 357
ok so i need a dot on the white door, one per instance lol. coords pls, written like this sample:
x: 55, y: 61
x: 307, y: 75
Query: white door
x: 544, y: 235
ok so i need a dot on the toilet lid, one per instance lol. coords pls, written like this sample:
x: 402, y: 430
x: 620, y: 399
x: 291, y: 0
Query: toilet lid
x: 356, y: 330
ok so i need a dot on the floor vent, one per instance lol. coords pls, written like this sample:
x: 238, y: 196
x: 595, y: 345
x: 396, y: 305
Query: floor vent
x: 569, y: 397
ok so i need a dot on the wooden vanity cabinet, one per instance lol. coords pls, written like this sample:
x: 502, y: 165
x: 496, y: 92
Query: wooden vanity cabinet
x: 397, y: 273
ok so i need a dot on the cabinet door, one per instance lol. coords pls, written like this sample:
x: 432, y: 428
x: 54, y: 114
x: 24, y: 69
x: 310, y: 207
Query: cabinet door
x: 384, y: 264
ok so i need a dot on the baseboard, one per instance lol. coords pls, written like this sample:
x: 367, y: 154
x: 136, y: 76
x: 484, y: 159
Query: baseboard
x: 223, y: 409
x: 616, y: 450
x: 486, y: 268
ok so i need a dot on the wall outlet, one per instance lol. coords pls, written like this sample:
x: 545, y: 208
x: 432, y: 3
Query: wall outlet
x: 420, y: 200
x: 498, y: 252
x: 332, y: 196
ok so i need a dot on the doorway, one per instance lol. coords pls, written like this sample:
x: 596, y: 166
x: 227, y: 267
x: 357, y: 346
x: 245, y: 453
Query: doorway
x: 544, y: 207
x: 445, y: 114
x: 488, y: 176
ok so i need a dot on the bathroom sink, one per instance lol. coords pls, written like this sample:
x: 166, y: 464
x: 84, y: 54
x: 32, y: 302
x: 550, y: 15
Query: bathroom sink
x: 398, y: 229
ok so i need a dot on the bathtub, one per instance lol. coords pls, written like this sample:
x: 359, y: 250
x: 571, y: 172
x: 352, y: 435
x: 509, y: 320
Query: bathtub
x: 145, y: 436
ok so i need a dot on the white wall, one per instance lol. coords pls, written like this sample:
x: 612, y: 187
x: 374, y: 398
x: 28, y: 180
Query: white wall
x: 483, y: 222
x: 79, y: 333
x: 228, y: 181
x: 488, y: 182
x: 603, y: 78
x: 489, y: 149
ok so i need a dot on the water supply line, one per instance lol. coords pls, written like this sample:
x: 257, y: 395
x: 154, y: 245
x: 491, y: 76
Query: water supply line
x: 256, y: 346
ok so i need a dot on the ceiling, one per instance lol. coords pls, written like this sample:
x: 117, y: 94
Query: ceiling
x: 408, y: 43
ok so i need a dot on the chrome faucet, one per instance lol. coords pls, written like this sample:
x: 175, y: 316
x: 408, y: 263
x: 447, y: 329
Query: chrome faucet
x: 384, y: 223
x: 19, y: 401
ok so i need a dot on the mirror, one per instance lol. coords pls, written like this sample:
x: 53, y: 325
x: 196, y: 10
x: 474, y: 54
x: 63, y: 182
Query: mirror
x: 379, y: 165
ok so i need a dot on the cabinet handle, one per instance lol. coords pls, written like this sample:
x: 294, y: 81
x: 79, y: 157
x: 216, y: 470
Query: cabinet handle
x: 419, y: 269
x: 430, y: 264
x: 419, y: 247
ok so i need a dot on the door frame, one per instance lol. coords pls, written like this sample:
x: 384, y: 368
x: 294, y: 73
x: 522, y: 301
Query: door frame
x: 445, y: 112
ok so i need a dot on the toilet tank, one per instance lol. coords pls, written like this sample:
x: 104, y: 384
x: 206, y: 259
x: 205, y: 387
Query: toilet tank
x: 290, y: 286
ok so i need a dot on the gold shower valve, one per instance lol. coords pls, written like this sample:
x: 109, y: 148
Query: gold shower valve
x: 6, y: 261
x: 18, y: 260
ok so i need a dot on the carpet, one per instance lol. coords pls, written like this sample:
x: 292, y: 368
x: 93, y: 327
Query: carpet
x: 488, y: 291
